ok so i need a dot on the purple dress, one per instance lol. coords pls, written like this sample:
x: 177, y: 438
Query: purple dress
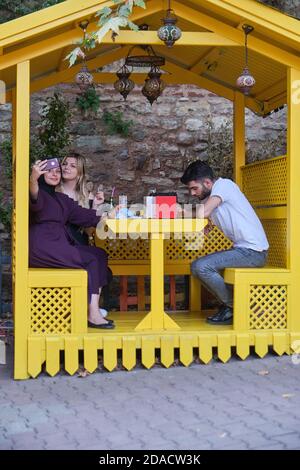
x: 51, y: 246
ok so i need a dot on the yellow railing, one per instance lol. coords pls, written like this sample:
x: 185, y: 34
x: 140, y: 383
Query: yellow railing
x: 265, y: 182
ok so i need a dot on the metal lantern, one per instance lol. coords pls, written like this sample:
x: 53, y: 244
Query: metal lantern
x: 246, y: 81
x: 169, y: 33
x: 124, y: 85
x: 84, y: 78
x: 153, y: 86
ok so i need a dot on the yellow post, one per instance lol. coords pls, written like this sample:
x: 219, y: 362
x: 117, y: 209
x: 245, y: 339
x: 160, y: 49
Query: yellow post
x: 293, y: 254
x: 239, y: 136
x: 155, y: 319
x: 21, y: 146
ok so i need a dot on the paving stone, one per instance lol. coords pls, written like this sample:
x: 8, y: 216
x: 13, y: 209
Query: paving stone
x: 290, y: 440
x: 219, y: 406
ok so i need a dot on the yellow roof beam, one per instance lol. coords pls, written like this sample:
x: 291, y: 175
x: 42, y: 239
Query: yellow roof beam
x: 183, y: 75
x: 187, y: 39
x: 178, y: 75
x: 258, y: 45
x: 48, y: 18
x: 277, y: 101
x: 71, y: 11
x: 261, y: 15
x: 271, y: 91
x: 125, y: 37
x: 69, y: 74
x: 206, y: 61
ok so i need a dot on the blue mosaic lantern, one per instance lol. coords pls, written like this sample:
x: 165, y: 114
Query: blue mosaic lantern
x: 169, y: 33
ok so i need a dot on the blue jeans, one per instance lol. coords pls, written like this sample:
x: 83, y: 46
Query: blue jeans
x: 208, y: 269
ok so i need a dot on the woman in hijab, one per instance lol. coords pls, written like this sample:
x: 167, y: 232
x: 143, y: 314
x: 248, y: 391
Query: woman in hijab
x: 50, y: 244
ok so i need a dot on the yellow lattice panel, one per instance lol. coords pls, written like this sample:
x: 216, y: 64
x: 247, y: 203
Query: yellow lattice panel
x: 268, y: 307
x: 50, y: 310
x: 276, y: 231
x: 126, y: 249
x: 186, y: 248
x: 265, y: 183
x: 195, y: 245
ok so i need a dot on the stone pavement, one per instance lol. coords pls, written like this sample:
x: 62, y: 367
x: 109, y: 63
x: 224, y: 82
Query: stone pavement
x: 251, y: 404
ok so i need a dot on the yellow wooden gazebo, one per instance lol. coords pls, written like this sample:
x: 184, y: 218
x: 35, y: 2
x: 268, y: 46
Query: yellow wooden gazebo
x: 50, y: 304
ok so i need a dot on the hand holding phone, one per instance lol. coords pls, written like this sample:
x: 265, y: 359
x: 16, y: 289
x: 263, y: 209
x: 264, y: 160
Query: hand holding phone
x: 38, y: 169
x: 52, y: 163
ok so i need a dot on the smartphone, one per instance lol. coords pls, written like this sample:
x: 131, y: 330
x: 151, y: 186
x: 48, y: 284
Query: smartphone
x: 52, y: 163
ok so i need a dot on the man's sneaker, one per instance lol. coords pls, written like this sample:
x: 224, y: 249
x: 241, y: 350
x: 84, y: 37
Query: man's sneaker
x: 223, y: 317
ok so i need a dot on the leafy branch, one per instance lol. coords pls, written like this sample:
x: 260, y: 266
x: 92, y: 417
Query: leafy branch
x: 116, y: 124
x: 89, y: 100
x: 109, y: 20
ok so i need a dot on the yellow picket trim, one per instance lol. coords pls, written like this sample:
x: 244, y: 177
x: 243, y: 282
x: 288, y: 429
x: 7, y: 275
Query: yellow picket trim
x: 186, y: 350
x: 110, y: 353
x: 71, y: 354
x: 167, y: 350
x: 205, y: 348
x: 90, y: 353
x: 261, y: 344
x: 129, y: 352
x: 148, y: 351
x: 34, y: 356
x: 52, y: 355
x: 280, y: 343
x: 224, y: 346
x: 242, y: 345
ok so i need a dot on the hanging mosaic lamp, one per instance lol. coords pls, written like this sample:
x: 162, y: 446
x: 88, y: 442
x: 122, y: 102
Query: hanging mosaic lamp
x: 84, y: 78
x: 169, y: 33
x: 246, y: 81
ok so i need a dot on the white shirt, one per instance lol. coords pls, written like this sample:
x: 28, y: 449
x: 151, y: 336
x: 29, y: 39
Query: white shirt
x: 236, y: 217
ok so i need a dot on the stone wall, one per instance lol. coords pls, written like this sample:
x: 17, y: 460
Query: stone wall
x: 186, y: 123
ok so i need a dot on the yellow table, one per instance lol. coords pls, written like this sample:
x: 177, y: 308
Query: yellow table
x: 156, y: 230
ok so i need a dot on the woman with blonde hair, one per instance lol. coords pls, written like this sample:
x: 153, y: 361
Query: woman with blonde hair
x: 73, y: 182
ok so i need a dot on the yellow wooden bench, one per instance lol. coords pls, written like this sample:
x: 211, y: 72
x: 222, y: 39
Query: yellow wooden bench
x: 260, y: 297
x: 58, y: 301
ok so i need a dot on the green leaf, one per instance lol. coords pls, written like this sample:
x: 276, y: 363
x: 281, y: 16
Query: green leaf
x: 129, y: 4
x: 113, y: 24
x: 124, y: 11
x: 133, y: 26
x: 140, y: 3
x: 106, y: 11
x: 72, y: 57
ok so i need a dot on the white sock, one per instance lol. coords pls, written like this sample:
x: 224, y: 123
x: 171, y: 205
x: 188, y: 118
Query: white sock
x: 103, y: 312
